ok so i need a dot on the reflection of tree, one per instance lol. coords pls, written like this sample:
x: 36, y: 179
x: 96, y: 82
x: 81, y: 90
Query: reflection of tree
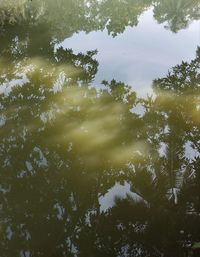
x: 24, y: 175
x: 64, y: 18
x: 170, y: 182
x: 60, y: 150
x: 178, y: 14
x: 178, y: 98
x: 64, y: 144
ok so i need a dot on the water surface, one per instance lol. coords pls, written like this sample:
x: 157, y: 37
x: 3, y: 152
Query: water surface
x: 99, y: 128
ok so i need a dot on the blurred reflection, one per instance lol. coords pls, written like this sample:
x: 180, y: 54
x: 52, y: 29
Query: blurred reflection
x: 66, y: 146
x: 178, y: 14
x: 63, y: 18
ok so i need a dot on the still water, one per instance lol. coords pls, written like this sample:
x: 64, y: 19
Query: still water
x: 99, y: 128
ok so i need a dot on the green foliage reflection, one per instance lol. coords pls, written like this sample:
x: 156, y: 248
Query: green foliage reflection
x: 65, y: 144
x: 65, y: 17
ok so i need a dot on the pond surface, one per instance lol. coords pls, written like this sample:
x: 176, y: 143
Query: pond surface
x: 99, y: 128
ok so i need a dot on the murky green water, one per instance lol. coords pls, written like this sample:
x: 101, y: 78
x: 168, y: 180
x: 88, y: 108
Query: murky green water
x: 99, y: 128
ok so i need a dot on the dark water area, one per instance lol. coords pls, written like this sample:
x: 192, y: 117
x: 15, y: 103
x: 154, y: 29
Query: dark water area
x: 99, y: 128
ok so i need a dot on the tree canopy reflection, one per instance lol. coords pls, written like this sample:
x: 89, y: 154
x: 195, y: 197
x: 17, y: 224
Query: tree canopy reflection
x: 65, y: 17
x: 65, y: 144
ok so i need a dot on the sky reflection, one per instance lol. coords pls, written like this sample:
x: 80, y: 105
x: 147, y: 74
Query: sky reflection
x: 145, y: 52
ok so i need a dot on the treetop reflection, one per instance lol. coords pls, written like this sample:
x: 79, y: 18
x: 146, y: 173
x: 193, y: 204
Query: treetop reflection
x: 71, y: 143
x: 66, y: 145
x: 64, y: 18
